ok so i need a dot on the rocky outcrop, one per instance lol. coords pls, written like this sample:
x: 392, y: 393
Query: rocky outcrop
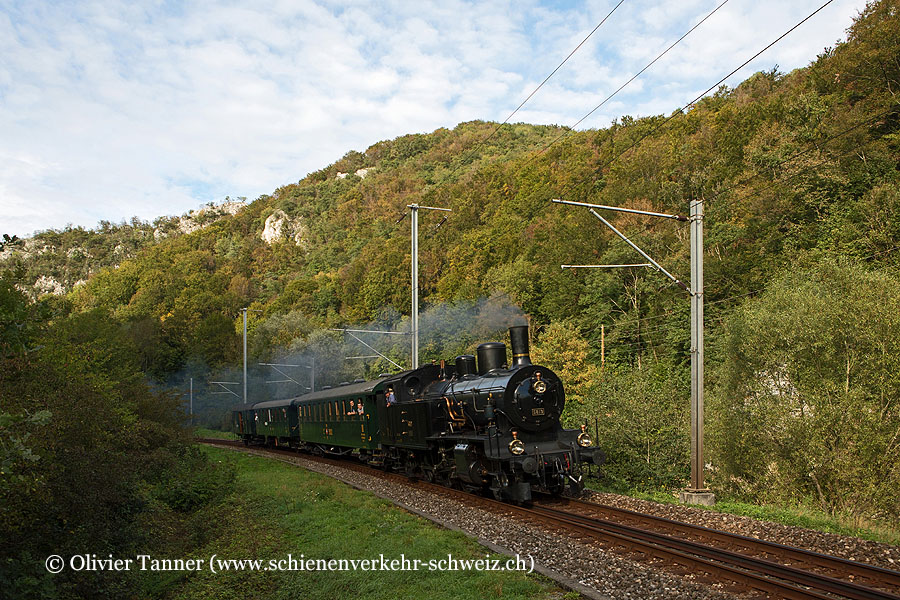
x: 361, y: 173
x: 48, y: 285
x: 198, y: 219
x: 280, y: 227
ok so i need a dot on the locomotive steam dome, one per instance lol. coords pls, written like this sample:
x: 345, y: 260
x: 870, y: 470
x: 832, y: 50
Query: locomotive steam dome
x: 491, y: 355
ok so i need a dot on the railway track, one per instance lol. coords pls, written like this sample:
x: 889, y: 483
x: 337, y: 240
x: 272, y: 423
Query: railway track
x: 749, y: 565
x: 842, y: 571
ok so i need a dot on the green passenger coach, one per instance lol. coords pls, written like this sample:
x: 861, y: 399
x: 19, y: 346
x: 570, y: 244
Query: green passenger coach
x: 275, y: 422
x: 331, y: 418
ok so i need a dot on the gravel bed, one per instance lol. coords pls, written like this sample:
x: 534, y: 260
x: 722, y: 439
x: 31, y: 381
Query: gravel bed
x: 605, y: 574
x: 873, y: 553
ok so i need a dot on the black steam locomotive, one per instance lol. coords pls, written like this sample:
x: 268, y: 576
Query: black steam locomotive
x: 483, y: 426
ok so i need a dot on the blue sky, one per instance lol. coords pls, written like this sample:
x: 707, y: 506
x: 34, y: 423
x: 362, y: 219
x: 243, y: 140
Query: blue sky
x: 113, y: 109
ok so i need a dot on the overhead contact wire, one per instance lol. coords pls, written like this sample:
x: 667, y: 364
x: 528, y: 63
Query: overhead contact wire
x: 555, y: 70
x: 713, y: 86
x: 535, y: 91
x: 635, y: 76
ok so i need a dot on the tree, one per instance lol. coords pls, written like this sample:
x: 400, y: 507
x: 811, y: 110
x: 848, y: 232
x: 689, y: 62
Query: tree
x: 562, y: 348
x: 808, y: 405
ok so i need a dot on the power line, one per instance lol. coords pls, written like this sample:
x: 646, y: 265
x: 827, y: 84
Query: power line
x: 631, y: 328
x: 710, y: 88
x: 680, y: 111
x: 633, y: 77
x: 546, y: 79
x: 797, y: 154
x: 634, y: 326
x: 555, y: 70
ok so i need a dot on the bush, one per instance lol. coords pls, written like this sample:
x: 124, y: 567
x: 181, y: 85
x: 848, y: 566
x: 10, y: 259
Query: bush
x: 642, y: 418
x: 808, y: 408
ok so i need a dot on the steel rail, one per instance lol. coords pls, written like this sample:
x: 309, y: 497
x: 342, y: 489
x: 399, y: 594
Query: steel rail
x: 721, y: 557
x: 878, y: 576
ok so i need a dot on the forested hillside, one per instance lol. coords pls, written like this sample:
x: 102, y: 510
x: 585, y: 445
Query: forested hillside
x: 799, y: 177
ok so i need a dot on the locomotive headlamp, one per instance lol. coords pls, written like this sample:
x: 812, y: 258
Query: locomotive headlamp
x: 517, y: 446
x: 584, y: 438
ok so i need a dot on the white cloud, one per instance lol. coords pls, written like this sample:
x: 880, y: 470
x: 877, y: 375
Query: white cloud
x: 112, y: 109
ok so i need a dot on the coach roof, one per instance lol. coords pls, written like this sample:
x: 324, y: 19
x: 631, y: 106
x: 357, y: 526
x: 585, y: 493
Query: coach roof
x: 352, y: 389
x: 273, y: 404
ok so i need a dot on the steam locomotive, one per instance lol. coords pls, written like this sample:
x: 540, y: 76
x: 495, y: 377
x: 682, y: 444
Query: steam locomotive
x: 483, y: 426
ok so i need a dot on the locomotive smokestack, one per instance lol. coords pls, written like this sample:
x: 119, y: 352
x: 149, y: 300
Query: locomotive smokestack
x: 518, y: 340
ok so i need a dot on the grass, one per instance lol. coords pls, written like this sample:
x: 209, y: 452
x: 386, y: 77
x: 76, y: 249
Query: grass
x: 278, y: 509
x: 798, y: 516
x: 202, y: 432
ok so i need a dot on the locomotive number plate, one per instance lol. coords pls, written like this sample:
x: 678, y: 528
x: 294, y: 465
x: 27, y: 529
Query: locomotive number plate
x: 537, y: 412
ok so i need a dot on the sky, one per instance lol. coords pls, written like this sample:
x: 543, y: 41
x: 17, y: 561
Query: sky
x: 114, y: 109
